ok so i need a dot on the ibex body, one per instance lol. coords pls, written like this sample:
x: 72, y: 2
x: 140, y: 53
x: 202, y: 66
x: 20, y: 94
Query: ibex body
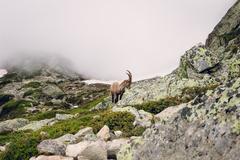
x: 117, y: 89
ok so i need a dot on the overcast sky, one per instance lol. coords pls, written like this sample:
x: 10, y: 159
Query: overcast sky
x: 103, y: 38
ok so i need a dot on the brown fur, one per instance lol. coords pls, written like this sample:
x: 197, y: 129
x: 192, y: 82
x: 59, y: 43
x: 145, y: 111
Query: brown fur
x: 117, y: 89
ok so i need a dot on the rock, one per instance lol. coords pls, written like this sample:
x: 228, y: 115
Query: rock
x: 51, y: 147
x: 2, y: 148
x: 84, y: 131
x: 127, y: 151
x: 199, y: 130
x: 44, y: 135
x: 67, y: 139
x: 104, y: 133
x: 228, y: 23
x: 12, y: 125
x: 90, y: 137
x: 88, y: 149
x: 74, y: 150
x: 32, y: 109
x: 102, y: 105
x: 64, y: 116
x: 114, y: 146
x: 95, y: 151
x: 170, y: 112
x: 42, y: 157
x: 144, y: 119
x: 200, y: 58
x: 36, y: 125
x: 118, y: 134
x: 53, y: 91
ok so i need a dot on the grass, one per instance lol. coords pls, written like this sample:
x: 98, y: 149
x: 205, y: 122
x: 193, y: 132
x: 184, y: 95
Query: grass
x: 23, y: 144
x: 32, y: 85
x: 14, y: 108
x: 156, y: 107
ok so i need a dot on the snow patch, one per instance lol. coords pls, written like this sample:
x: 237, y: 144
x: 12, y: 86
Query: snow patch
x: 3, y: 72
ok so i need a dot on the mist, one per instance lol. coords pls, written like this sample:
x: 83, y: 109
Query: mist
x: 102, y: 39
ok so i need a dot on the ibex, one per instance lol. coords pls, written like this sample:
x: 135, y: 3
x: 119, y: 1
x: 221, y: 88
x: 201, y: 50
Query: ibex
x: 117, y: 89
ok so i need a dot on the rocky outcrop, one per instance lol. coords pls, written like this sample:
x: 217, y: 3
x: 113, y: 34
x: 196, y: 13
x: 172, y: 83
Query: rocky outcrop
x: 12, y: 125
x: 226, y: 30
x: 205, y: 128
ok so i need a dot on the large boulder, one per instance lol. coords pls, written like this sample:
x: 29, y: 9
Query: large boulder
x: 92, y: 150
x: 53, y: 91
x: 172, y: 112
x: 198, y: 59
x: 51, y: 147
x: 207, y: 128
x: 12, y: 125
x: 127, y: 151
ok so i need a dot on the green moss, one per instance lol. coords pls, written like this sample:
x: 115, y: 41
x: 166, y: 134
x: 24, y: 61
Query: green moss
x: 234, y: 69
x: 194, y: 91
x: 43, y: 115
x: 34, y: 93
x: 236, y: 128
x: 14, y: 108
x: 158, y: 106
x: 117, y: 121
x: 32, y: 85
x: 182, y: 70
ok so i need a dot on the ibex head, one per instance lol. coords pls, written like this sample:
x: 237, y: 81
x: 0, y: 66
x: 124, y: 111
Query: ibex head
x: 127, y: 83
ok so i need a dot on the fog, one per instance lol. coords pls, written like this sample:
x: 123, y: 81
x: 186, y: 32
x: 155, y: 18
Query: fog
x: 103, y: 38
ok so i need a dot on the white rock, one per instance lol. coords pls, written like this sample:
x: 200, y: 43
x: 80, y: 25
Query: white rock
x: 42, y: 157
x: 2, y: 148
x: 64, y: 116
x: 118, y: 134
x: 73, y: 150
x: 114, y: 146
x: 169, y: 112
x: 88, y: 150
x: 104, y: 133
